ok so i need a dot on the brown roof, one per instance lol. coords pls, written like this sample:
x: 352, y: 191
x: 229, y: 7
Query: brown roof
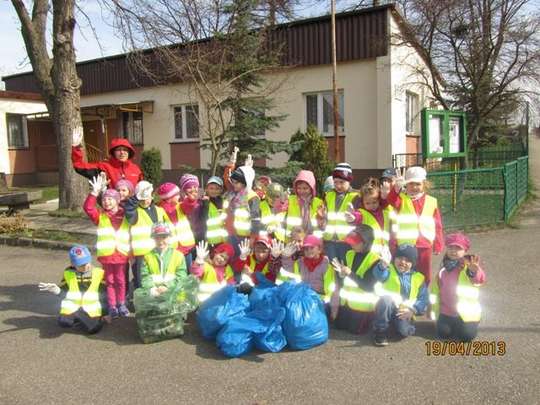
x: 19, y: 95
x: 360, y: 34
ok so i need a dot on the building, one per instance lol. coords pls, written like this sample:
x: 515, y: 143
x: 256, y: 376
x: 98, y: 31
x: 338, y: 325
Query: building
x: 379, y: 81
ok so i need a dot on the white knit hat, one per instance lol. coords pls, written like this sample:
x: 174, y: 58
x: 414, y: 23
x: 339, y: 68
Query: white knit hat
x: 144, y: 190
x: 415, y: 174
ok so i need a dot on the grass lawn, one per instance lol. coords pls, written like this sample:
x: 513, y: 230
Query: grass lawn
x: 48, y: 192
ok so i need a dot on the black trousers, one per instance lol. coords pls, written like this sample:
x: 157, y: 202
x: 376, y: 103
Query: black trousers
x: 80, y: 318
x: 453, y: 327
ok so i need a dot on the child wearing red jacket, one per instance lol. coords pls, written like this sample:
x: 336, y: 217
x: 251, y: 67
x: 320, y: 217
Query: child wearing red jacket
x: 418, y: 219
x: 118, y: 166
x: 258, y: 264
x: 112, y: 243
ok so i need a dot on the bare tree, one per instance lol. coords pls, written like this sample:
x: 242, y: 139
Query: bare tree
x: 487, y: 53
x: 219, y: 49
x: 58, y: 82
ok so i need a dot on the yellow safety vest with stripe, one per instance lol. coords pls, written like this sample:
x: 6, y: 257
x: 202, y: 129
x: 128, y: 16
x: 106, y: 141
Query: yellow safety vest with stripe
x: 215, y: 224
x: 88, y: 301
x: 381, y: 235
x: 337, y: 226
x: 409, y: 225
x: 242, y: 217
x: 294, y: 216
x: 183, y: 233
x: 141, y: 232
x: 329, y: 281
x: 159, y: 274
x: 109, y: 240
x: 468, y: 305
x: 209, y: 283
x: 279, y: 231
x: 392, y: 287
x: 268, y: 219
x: 353, y: 295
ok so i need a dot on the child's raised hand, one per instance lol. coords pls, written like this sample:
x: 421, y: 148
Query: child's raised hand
x: 249, y: 161
x: 289, y: 250
x: 277, y: 248
x: 202, y: 252
x: 400, y: 179
x: 234, y: 154
x: 49, y: 287
x: 385, y: 189
x: 104, y: 181
x: 245, y: 249
x: 96, y: 184
x: 349, y: 214
x: 77, y: 136
x: 473, y: 263
x: 386, y: 256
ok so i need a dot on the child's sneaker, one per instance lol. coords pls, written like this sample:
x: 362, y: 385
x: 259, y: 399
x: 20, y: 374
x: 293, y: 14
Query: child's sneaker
x: 123, y: 310
x: 113, y: 312
x: 380, y: 339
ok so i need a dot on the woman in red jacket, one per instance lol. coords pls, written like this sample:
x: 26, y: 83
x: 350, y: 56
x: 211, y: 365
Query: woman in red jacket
x: 119, y: 165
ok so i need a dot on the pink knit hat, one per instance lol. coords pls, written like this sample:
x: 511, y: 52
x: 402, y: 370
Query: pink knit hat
x: 125, y: 183
x: 188, y: 181
x: 167, y: 190
x: 111, y: 193
x: 458, y: 239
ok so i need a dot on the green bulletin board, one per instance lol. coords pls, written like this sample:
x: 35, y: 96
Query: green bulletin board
x: 444, y: 133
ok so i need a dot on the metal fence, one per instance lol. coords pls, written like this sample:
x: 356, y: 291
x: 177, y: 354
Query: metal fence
x: 478, y: 197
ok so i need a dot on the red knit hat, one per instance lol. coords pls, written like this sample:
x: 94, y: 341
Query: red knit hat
x: 458, y: 239
x: 167, y: 190
x: 266, y: 241
x: 225, y: 248
x: 343, y: 171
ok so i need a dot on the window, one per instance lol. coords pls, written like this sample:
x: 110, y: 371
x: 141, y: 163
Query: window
x: 411, y: 113
x: 320, y: 112
x: 16, y: 129
x: 186, y: 122
x: 132, y: 127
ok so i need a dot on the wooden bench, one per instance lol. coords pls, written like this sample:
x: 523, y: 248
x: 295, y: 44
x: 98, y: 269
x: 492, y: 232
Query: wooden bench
x: 18, y: 200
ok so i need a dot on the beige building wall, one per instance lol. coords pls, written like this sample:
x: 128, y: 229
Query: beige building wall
x: 14, y: 107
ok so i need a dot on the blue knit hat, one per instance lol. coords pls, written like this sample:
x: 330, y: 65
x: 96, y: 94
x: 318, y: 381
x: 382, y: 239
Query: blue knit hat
x: 407, y: 251
x: 79, y: 255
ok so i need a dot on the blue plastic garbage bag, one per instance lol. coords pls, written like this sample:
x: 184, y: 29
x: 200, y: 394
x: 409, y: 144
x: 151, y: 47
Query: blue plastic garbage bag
x: 305, y: 324
x: 236, y: 338
x: 264, y: 298
x: 223, y: 305
x: 272, y: 339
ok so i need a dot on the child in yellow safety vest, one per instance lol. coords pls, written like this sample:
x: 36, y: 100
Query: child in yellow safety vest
x: 358, y: 275
x: 214, y: 271
x: 113, y: 243
x: 332, y: 217
x: 169, y: 195
x: 273, y: 210
x: 261, y: 264
x: 418, y: 218
x: 455, y: 291
x: 142, y: 213
x: 403, y: 295
x: 375, y: 213
x: 303, y: 206
x: 312, y: 268
x: 82, y: 292
x: 163, y: 266
x: 213, y: 213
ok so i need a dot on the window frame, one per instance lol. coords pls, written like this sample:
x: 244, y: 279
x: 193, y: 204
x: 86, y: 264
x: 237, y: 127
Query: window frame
x: 412, y: 122
x: 185, y: 139
x: 125, y: 132
x: 24, y: 131
x: 320, y: 111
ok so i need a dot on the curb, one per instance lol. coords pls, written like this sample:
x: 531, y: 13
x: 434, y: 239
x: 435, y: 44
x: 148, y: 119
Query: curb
x: 37, y: 243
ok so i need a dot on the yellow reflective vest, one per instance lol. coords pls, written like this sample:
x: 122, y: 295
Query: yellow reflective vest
x: 109, y: 240
x: 183, y: 233
x: 242, y: 216
x: 88, y: 301
x: 409, y: 225
x: 209, y: 283
x: 468, y: 305
x: 351, y: 294
x: 329, y: 281
x: 381, y: 234
x: 141, y: 232
x: 215, y: 224
x: 392, y: 287
x: 337, y: 227
x: 294, y: 216
x: 160, y: 272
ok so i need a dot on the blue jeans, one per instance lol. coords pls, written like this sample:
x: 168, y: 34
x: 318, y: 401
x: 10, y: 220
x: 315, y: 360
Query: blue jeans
x: 386, y: 314
x: 336, y: 249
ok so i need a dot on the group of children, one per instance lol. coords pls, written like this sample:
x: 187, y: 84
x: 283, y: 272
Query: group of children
x: 367, y: 253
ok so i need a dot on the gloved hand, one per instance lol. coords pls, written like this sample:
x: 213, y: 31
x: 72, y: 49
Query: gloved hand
x: 385, y: 189
x: 49, y: 287
x: 400, y: 180
x: 104, y: 181
x: 97, y: 184
x: 277, y: 248
x: 349, y: 214
x: 386, y: 256
x: 77, y: 136
x: 234, y: 154
x: 289, y: 250
x: 249, y: 161
x: 246, y: 279
x: 340, y: 268
x: 202, y: 252
x: 245, y: 249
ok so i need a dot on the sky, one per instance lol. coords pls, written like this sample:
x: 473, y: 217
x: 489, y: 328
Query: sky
x: 14, y: 59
